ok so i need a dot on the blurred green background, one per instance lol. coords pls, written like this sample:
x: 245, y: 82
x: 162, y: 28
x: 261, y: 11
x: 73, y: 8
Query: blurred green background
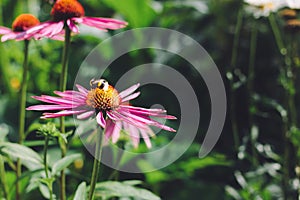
x: 250, y: 169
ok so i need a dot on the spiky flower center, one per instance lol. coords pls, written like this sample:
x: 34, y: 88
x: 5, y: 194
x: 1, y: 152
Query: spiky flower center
x: 66, y: 9
x: 103, y: 100
x: 24, y: 22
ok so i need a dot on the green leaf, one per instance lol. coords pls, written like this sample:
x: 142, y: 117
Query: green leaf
x: 80, y: 192
x: 4, y: 130
x: 29, y: 158
x: 138, y: 13
x: 110, y: 189
x: 64, y: 163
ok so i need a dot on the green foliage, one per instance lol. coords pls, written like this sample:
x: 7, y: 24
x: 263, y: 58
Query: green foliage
x: 80, y: 192
x: 137, y: 13
x: 110, y: 189
x: 14, y: 151
x: 64, y: 163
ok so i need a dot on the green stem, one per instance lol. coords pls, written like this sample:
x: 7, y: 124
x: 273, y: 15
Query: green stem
x: 277, y: 34
x: 46, y: 165
x: 3, y: 178
x: 251, y: 74
x: 63, y: 85
x: 97, y: 163
x: 45, y: 156
x: 22, y: 113
x: 231, y: 70
x: 236, y: 39
x: 114, y: 175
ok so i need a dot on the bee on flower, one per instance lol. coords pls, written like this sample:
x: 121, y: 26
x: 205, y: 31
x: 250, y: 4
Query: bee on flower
x: 110, y: 108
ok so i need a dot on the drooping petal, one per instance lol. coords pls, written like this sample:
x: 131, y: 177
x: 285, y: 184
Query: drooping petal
x: 72, y: 26
x: 134, y: 135
x: 109, y: 128
x: 100, y: 120
x: 85, y: 115
x: 146, y: 138
x: 153, y: 110
x: 116, y: 132
x: 147, y: 120
x: 129, y: 90
x: 147, y: 112
x: 117, y: 116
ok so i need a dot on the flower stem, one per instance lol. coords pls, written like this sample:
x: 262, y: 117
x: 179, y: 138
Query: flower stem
x: 251, y: 74
x: 277, y: 34
x: 46, y: 165
x: 22, y: 113
x: 63, y: 85
x: 231, y: 70
x: 97, y: 163
x: 3, y: 178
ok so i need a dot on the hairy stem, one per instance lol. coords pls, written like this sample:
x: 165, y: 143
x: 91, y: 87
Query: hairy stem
x: 46, y: 165
x: 97, y: 163
x: 63, y: 85
x: 22, y: 113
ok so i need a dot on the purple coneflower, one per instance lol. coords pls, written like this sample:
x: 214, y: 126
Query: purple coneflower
x: 103, y: 100
x: 19, y: 27
x: 69, y: 13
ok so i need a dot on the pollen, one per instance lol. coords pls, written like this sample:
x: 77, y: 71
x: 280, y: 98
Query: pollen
x: 24, y: 22
x: 103, y: 100
x: 66, y: 9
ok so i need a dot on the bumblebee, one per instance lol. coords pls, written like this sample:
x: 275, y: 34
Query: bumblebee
x: 102, y: 96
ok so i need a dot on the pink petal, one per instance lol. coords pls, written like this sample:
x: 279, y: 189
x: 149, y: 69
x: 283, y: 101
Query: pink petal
x: 9, y: 36
x: 4, y: 30
x: 71, y: 95
x: 146, y: 138
x: 100, y: 120
x: 134, y: 135
x: 49, y: 107
x: 82, y: 89
x: 146, y: 120
x: 117, y: 116
x: 111, y: 116
x: 148, y: 113
x: 58, y: 100
x: 103, y: 24
x: 109, y: 128
x: 129, y: 90
x: 85, y: 115
x: 133, y: 108
x: 116, y: 132
x: 36, y: 29
x: 130, y: 97
x: 72, y: 26
x: 61, y: 113
x: 106, y: 20
x: 51, y: 29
